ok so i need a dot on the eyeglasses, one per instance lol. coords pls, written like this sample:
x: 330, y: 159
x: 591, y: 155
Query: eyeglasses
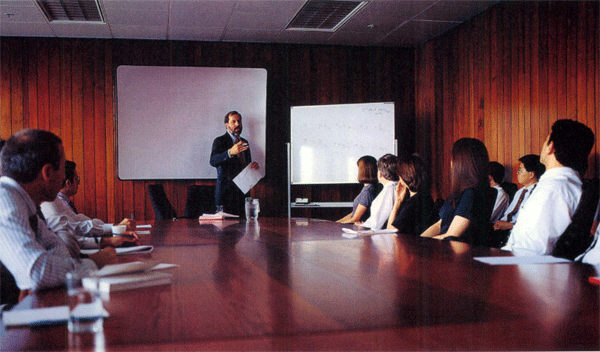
x: 522, y: 171
x: 77, y: 178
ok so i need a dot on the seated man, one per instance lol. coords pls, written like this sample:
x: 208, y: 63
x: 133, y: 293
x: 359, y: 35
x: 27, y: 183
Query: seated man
x: 33, y: 164
x: 549, y: 210
x: 496, y: 175
x: 61, y: 214
x: 529, y: 172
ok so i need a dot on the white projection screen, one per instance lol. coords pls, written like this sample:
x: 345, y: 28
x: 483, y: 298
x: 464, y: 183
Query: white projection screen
x: 327, y: 140
x: 168, y: 117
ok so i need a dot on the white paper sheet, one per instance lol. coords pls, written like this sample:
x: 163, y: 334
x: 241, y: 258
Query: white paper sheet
x: 538, y: 259
x: 144, y: 226
x: 38, y: 316
x: 246, y: 179
x: 143, y: 232
x: 123, y: 250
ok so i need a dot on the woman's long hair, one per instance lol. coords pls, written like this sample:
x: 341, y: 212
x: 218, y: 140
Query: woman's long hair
x: 469, y: 165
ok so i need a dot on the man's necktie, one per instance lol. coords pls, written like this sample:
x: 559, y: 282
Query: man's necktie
x: 516, y: 208
x: 72, y: 205
x: 240, y: 155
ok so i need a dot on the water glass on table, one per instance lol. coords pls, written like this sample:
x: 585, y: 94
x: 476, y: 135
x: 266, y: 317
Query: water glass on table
x: 252, y: 209
x: 86, y: 310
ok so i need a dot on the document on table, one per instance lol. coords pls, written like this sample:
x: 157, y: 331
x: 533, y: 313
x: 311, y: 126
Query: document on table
x: 123, y: 250
x: 144, y: 226
x: 246, y: 179
x: 349, y: 233
x: 38, y: 316
x: 537, y: 259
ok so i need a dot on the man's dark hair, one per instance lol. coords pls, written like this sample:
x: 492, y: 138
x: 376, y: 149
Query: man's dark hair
x: 27, y: 151
x: 226, y: 120
x: 387, y: 166
x: 531, y: 162
x: 573, y: 142
x: 496, y: 171
x: 69, y: 171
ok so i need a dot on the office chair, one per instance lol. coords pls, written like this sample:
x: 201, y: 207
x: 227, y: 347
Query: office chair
x: 9, y: 292
x: 160, y: 202
x: 577, y: 238
x: 510, y: 189
x: 200, y: 200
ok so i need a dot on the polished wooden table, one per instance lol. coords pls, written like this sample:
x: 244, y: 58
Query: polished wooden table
x: 298, y: 284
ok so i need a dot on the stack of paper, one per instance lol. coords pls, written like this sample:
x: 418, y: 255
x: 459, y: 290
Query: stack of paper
x: 118, y: 277
x: 348, y: 233
x: 216, y: 217
x: 123, y: 250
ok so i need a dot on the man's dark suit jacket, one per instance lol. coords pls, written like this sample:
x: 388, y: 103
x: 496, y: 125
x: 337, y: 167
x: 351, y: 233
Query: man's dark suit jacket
x: 226, y: 192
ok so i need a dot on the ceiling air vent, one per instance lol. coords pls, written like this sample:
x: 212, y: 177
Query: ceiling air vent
x: 326, y: 16
x: 71, y: 10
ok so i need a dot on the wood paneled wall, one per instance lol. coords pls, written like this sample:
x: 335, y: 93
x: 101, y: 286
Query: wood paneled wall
x: 504, y: 77
x: 67, y: 87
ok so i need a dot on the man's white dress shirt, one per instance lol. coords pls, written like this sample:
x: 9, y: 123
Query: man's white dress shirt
x: 382, y: 206
x: 35, y: 256
x: 547, y: 213
x: 500, y: 205
x: 59, y: 216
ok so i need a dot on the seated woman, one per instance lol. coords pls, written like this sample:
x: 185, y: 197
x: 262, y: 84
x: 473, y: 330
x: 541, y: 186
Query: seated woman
x: 384, y: 202
x: 412, y: 203
x: 367, y: 175
x: 465, y: 214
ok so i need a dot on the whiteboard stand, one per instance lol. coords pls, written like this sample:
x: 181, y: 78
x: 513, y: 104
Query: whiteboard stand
x: 289, y: 180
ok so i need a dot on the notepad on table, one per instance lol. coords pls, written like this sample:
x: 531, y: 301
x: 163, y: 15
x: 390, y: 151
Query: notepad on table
x: 118, y: 277
x: 123, y: 250
x: 217, y: 216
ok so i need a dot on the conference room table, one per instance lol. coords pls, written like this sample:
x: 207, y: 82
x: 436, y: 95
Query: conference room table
x: 300, y: 284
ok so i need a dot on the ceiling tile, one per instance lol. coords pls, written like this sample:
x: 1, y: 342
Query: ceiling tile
x: 454, y: 10
x: 385, y: 16
x: 138, y: 32
x: 417, y: 32
x: 11, y: 29
x: 249, y: 35
x: 200, y: 14
x: 201, y: 34
x: 81, y: 30
x: 303, y: 37
x: 137, y: 18
x: 20, y: 11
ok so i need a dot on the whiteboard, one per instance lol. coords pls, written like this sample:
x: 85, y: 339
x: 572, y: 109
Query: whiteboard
x: 168, y: 117
x: 327, y: 140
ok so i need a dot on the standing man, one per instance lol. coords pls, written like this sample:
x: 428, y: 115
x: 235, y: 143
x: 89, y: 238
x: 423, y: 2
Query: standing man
x: 230, y: 155
x: 550, y: 209
x: 33, y: 170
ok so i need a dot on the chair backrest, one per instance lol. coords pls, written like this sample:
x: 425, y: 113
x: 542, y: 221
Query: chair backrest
x: 9, y: 292
x: 510, y: 188
x: 200, y: 200
x: 577, y: 238
x: 433, y: 216
x: 160, y: 202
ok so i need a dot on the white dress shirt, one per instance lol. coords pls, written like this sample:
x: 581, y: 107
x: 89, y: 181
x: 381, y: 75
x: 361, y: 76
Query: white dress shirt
x: 382, y: 206
x: 59, y: 215
x: 36, y: 259
x: 500, y: 205
x: 514, y: 202
x: 547, y: 213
